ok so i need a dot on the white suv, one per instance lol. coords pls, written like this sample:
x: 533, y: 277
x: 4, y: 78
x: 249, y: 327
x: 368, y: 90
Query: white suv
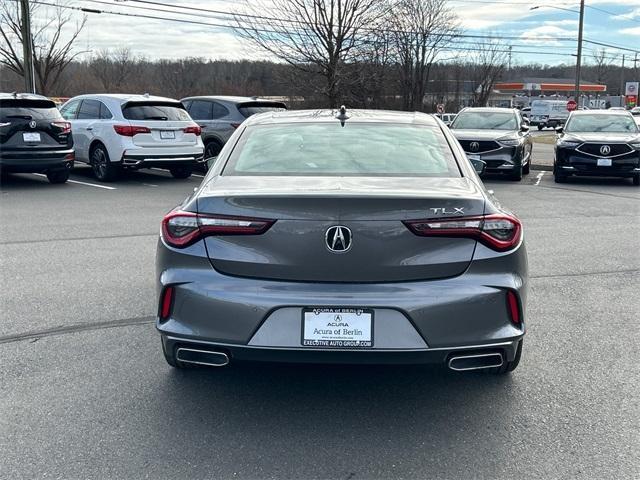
x: 114, y: 132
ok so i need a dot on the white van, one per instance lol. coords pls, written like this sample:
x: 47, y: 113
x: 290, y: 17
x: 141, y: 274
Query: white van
x: 548, y: 113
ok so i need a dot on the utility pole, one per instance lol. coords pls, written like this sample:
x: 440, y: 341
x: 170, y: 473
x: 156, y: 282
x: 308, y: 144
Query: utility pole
x: 27, y: 49
x: 622, y: 77
x: 579, y: 56
x: 510, y: 48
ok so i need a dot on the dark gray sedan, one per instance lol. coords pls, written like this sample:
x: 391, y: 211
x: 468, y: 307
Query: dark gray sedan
x: 497, y: 136
x: 342, y: 237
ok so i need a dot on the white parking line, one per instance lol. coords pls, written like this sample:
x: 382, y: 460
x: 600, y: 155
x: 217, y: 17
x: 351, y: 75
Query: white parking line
x: 539, y: 177
x: 82, y: 183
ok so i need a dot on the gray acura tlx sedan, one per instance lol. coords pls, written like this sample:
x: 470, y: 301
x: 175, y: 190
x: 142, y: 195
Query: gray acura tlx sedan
x: 342, y: 237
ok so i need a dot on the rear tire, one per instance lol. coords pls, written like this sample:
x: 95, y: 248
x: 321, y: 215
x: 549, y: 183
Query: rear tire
x: 636, y: 180
x: 512, y: 365
x: 527, y: 168
x: 180, y: 172
x: 540, y: 127
x: 103, y: 169
x: 58, y: 176
x: 212, y: 149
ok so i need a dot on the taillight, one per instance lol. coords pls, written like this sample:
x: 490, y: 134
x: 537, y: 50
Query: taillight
x: 166, y: 303
x: 64, y: 126
x: 130, y: 130
x: 235, y: 125
x: 514, y: 307
x: 195, y: 129
x: 499, y: 232
x: 180, y: 229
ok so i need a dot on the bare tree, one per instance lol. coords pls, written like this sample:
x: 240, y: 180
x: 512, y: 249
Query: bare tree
x: 317, y: 36
x: 53, y: 47
x: 420, y: 30
x: 487, y: 66
x: 602, y: 62
x: 112, y: 69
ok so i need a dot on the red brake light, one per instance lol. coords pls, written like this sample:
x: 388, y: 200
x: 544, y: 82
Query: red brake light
x: 180, y: 229
x: 514, y: 307
x: 130, y: 130
x: 64, y: 126
x: 166, y: 303
x: 499, y: 232
x: 195, y: 129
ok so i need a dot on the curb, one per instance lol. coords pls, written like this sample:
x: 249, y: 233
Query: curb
x: 547, y: 168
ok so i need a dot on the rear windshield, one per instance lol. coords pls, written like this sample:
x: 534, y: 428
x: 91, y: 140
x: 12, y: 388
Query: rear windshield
x: 155, y: 111
x: 601, y: 123
x: 251, y: 108
x: 28, y: 109
x: 357, y: 149
x: 485, y: 121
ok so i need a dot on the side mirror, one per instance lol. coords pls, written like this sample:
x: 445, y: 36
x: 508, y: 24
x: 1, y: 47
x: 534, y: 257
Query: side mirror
x: 559, y: 130
x: 524, y: 127
x: 478, y: 165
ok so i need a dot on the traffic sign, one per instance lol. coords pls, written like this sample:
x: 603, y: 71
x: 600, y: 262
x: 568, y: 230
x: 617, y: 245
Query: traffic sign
x: 572, y: 105
x: 440, y: 108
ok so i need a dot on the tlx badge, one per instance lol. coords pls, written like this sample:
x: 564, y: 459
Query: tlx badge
x: 446, y: 211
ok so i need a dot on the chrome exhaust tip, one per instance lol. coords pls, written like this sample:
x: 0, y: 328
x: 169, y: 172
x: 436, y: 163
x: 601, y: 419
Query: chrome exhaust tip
x: 463, y: 363
x: 202, y: 357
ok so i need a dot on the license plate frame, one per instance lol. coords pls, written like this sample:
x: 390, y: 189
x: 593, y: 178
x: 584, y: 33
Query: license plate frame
x: 167, y: 135
x: 337, y: 340
x: 604, y: 162
x: 31, y: 137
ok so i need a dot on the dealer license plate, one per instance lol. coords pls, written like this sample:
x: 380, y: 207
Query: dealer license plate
x: 31, y: 137
x: 604, y: 162
x: 337, y: 327
x: 167, y: 134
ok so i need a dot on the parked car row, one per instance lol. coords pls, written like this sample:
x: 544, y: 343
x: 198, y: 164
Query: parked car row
x: 116, y: 132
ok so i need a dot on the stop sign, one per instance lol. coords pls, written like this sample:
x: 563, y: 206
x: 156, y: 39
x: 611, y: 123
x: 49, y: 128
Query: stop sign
x: 572, y: 105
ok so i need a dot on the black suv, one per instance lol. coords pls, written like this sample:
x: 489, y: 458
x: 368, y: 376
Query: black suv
x: 34, y: 137
x: 598, y: 142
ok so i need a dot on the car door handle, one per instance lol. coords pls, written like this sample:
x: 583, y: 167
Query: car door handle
x: 89, y: 128
x: 203, y: 126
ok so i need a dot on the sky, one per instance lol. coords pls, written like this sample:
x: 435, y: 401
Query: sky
x: 534, y: 35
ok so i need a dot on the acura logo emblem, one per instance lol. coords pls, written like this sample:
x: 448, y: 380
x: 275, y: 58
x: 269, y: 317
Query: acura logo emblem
x: 338, y: 239
x: 32, y: 124
x: 474, y: 146
x: 605, y: 149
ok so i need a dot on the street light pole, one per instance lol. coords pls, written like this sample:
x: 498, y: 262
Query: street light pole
x: 27, y: 49
x: 579, y: 56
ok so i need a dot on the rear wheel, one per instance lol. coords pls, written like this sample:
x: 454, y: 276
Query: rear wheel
x: 180, y: 172
x: 509, y: 366
x: 527, y: 168
x: 540, y: 127
x: 103, y: 169
x: 58, y: 176
x: 212, y: 149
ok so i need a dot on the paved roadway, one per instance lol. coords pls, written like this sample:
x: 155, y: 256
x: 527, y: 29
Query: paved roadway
x: 85, y: 392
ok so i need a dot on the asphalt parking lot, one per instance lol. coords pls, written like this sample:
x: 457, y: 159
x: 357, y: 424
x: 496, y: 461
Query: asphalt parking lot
x: 86, y: 393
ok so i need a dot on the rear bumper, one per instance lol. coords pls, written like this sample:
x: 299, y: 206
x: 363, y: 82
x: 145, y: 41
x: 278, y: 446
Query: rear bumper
x: 141, y: 160
x: 29, y: 162
x: 414, y: 322
x: 245, y: 353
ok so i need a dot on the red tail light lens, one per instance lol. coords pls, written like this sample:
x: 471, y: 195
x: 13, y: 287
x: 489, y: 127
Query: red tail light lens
x: 64, y: 126
x: 499, y: 232
x: 166, y: 303
x: 514, y: 307
x: 180, y: 229
x: 130, y: 130
x: 195, y: 129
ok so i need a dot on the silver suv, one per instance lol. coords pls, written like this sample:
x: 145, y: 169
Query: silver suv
x: 219, y: 116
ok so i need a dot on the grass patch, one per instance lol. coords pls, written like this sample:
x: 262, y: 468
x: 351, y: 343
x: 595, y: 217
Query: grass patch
x: 547, y: 139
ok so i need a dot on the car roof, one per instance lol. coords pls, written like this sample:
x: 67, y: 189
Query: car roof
x: 355, y: 115
x: 600, y: 112
x: 125, y: 97
x: 489, y: 109
x: 230, y: 98
x: 25, y: 96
